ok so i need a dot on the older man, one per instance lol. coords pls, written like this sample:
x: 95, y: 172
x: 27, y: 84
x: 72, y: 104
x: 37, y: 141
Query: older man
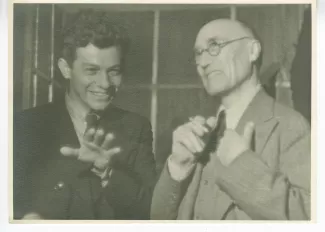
x: 252, y: 161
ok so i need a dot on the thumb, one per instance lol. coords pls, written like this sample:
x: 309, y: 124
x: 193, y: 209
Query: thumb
x: 212, y: 122
x: 68, y: 151
x: 248, y: 132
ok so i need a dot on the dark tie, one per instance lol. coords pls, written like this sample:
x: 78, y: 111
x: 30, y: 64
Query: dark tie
x: 221, y: 127
x: 215, y: 137
x: 92, y: 119
x: 102, y: 209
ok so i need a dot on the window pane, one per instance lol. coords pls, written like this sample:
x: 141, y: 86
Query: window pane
x: 44, y: 39
x: 178, y: 30
x: 42, y: 91
x: 139, y: 26
x: 134, y: 100
x: 278, y: 28
x: 19, y: 51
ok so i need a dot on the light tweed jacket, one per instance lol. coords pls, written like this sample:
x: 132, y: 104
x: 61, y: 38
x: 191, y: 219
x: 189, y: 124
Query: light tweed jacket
x: 269, y: 182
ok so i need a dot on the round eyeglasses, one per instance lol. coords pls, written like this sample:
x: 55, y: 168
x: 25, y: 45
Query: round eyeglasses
x: 214, y: 48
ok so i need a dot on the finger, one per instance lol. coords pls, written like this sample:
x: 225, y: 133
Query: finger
x: 107, y: 141
x: 190, y: 141
x: 89, y: 135
x: 98, y: 137
x: 200, y: 119
x: 248, y: 132
x: 112, y: 152
x: 197, y: 142
x: 188, y: 145
x: 211, y: 122
x: 68, y: 151
x: 198, y: 128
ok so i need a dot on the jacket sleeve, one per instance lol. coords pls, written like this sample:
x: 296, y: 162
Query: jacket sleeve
x: 265, y: 193
x: 167, y: 196
x: 130, y: 188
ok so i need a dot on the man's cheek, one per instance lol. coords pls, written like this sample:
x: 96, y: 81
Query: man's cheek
x: 232, y: 68
x: 116, y: 81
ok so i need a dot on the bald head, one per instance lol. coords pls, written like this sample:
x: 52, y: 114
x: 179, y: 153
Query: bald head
x: 225, y: 29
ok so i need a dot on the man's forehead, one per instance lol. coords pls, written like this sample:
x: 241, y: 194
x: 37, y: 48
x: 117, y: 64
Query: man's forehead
x: 92, y: 54
x: 220, y: 30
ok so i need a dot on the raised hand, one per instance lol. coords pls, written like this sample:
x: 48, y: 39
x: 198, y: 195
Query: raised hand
x: 95, y: 148
x: 188, y: 142
x: 232, y: 144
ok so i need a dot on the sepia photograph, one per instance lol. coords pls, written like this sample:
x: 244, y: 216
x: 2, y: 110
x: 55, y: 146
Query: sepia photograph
x: 157, y: 112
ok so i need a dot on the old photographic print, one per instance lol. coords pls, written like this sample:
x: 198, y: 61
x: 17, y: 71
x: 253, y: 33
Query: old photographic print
x: 159, y: 111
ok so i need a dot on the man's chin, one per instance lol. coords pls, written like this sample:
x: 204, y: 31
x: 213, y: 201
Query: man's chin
x: 214, y: 92
x: 100, y: 106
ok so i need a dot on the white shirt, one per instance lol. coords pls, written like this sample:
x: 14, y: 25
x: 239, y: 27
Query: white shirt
x: 233, y: 115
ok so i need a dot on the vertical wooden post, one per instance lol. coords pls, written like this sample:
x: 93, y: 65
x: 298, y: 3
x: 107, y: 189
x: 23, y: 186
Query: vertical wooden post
x: 35, y: 77
x: 154, y: 91
x: 28, y: 57
x: 50, y: 97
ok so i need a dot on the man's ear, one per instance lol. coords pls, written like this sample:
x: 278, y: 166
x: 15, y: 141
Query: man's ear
x: 64, y: 68
x: 255, y: 51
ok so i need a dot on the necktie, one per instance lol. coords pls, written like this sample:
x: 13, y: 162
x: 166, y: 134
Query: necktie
x: 92, y: 119
x: 221, y: 127
x: 102, y: 209
x: 215, y: 137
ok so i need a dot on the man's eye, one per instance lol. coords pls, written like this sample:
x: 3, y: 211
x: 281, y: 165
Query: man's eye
x: 214, y: 44
x: 91, y: 71
x: 198, y: 52
x: 114, y: 72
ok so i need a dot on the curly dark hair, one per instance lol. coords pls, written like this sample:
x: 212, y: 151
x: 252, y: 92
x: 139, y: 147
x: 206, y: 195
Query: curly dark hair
x: 95, y: 27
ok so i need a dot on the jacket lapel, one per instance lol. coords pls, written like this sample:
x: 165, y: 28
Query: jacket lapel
x: 260, y: 111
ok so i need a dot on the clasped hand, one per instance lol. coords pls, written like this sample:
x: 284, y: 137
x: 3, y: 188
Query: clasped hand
x: 189, y: 142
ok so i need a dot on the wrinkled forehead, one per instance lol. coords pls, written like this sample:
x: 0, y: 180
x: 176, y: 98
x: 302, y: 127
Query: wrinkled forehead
x: 222, y: 30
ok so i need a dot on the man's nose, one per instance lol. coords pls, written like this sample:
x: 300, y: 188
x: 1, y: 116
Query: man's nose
x: 104, y: 80
x: 205, y: 60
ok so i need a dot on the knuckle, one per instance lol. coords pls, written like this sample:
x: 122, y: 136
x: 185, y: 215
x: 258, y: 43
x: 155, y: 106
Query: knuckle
x: 199, y: 117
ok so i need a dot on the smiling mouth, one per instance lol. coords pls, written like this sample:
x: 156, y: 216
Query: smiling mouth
x: 99, y: 94
x: 214, y: 72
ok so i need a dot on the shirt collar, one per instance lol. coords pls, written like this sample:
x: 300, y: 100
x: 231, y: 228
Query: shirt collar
x: 75, y: 110
x: 236, y: 111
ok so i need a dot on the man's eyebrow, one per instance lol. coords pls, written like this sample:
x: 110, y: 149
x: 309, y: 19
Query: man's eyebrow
x: 210, y: 40
x: 216, y: 39
x: 90, y: 64
x: 115, y: 66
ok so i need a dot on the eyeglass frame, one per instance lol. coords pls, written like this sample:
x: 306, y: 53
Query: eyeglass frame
x: 219, y: 45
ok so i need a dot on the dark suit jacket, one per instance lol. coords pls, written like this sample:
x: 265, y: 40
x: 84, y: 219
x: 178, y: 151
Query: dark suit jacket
x: 58, y: 187
x: 269, y: 182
